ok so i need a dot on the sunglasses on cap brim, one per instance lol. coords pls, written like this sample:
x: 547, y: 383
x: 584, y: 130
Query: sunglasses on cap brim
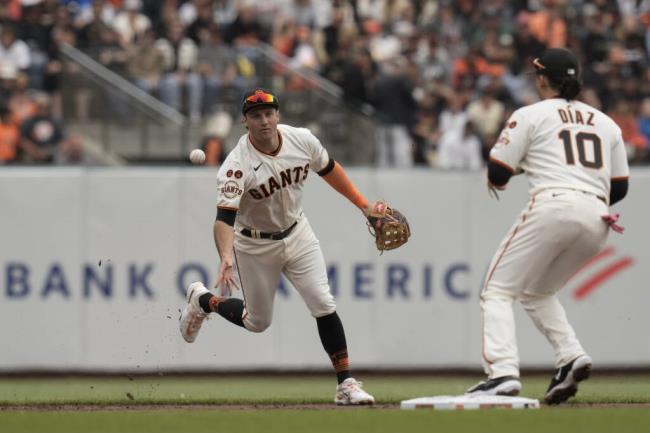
x: 260, y: 97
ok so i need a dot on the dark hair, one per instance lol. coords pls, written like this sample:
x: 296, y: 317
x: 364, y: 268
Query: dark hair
x: 569, y: 87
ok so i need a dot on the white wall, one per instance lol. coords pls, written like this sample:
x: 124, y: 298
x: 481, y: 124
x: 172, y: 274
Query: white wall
x: 151, y: 230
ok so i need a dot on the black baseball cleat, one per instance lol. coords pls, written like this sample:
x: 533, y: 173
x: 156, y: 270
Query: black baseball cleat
x: 504, y: 385
x: 565, y: 383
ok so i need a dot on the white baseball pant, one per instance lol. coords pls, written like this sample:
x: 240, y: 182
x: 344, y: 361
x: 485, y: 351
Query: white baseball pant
x: 556, y: 233
x: 259, y: 263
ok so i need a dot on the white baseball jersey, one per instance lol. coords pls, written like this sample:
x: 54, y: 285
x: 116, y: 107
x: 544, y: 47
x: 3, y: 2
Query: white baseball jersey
x: 560, y: 143
x: 266, y: 190
x: 570, y: 152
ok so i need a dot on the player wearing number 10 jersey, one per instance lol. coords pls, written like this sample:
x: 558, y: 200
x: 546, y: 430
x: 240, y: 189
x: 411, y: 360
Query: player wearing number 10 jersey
x: 575, y: 161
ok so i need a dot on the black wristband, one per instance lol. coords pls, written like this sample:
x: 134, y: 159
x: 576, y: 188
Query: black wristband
x: 497, y: 174
x: 618, y: 190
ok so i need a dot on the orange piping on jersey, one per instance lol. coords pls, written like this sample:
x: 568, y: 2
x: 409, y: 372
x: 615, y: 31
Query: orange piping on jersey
x: 228, y: 208
x: 620, y: 178
x: 502, y: 164
x: 275, y: 152
x: 338, y: 179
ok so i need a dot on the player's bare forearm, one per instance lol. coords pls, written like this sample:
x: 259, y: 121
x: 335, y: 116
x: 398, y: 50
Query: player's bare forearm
x: 224, y: 237
x: 339, y: 180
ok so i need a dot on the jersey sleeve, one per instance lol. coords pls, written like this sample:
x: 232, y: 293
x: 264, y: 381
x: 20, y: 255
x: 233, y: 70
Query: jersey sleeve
x: 513, y: 142
x: 620, y: 168
x: 231, y: 181
x: 319, y: 156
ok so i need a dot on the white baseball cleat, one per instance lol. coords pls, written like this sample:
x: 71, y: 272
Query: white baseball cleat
x: 349, y: 392
x: 193, y: 315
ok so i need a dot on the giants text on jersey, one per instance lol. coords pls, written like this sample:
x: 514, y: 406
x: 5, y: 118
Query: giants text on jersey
x: 266, y: 189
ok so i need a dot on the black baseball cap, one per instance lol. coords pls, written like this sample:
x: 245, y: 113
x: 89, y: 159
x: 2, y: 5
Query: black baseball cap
x: 259, y: 97
x: 557, y: 63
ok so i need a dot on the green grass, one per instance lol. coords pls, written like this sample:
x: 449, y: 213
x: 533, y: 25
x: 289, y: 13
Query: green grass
x: 282, y: 389
x: 285, y: 390
x: 364, y: 420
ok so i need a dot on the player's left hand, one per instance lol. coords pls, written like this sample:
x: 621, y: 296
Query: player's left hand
x: 226, y: 278
x: 389, y: 226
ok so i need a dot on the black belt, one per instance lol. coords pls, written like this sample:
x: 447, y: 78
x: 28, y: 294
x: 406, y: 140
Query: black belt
x: 273, y: 236
x: 599, y: 197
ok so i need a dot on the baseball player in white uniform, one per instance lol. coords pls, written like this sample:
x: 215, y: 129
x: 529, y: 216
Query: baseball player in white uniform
x: 575, y: 161
x: 261, y: 231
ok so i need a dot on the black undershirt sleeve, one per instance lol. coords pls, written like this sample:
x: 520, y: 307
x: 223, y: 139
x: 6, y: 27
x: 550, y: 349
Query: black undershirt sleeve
x: 226, y: 215
x: 618, y: 190
x: 498, y: 175
x: 329, y: 167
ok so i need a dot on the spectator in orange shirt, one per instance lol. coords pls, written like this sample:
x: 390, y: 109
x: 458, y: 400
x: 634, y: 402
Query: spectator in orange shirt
x: 10, y: 10
x: 548, y: 25
x: 21, y: 104
x: 285, y: 37
x: 213, y: 147
x: 217, y: 129
x: 467, y: 70
x: 9, y: 137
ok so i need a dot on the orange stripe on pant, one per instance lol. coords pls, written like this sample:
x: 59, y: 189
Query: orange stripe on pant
x: 487, y: 280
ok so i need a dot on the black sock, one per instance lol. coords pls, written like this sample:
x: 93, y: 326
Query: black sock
x: 332, y: 335
x: 204, y: 302
x: 232, y: 309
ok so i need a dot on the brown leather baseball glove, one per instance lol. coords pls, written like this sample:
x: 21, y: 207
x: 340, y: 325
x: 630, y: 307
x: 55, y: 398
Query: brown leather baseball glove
x: 389, y: 227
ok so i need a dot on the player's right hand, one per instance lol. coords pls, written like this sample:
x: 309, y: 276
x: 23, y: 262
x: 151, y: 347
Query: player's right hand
x: 226, y: 278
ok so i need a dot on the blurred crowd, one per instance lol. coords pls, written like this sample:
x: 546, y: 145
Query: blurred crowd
x: 440, y: 76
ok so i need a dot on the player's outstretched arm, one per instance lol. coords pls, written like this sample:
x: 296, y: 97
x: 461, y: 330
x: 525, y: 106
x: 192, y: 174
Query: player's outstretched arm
x: 388, y: 226
x: 224, y: 236
x: 339, y: 180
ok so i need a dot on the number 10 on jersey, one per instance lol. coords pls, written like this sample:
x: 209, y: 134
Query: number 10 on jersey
x: 582, y: 140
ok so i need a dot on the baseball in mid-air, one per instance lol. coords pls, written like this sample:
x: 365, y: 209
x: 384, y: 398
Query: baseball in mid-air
x: 197, y: 156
